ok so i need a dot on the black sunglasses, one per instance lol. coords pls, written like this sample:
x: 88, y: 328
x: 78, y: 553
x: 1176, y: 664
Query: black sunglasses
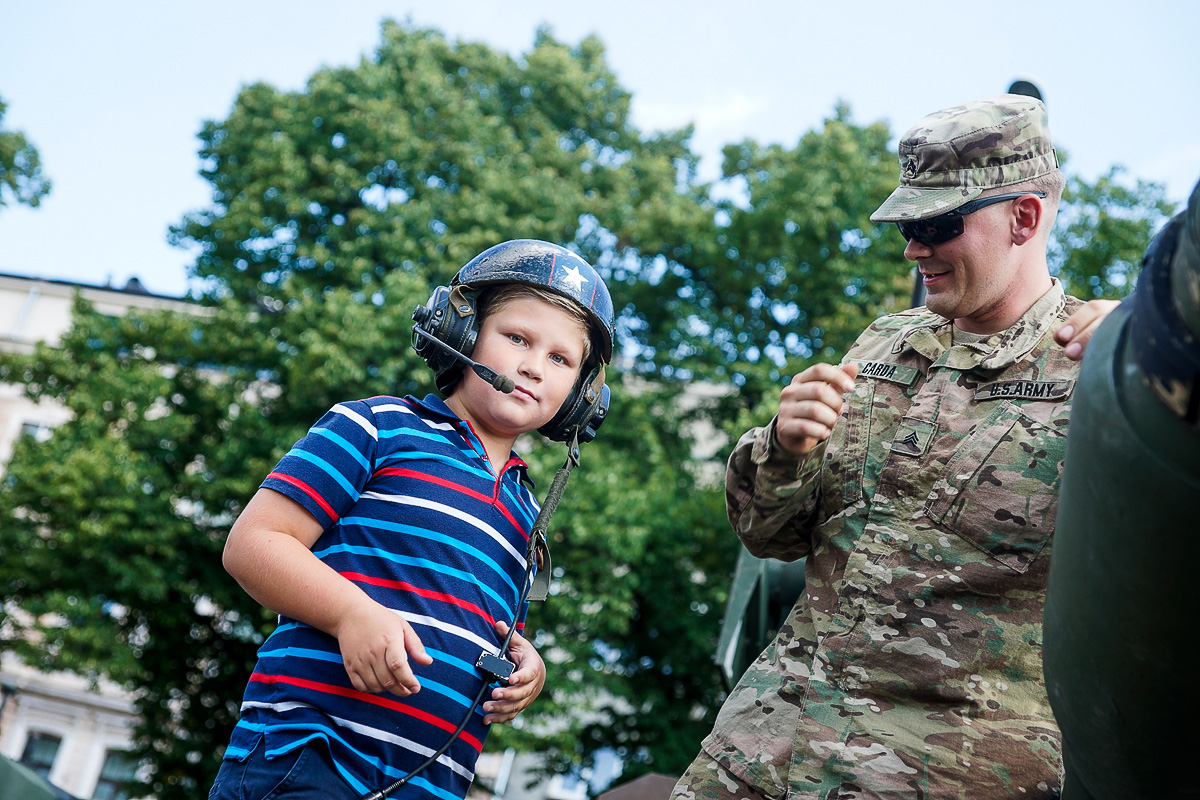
x: 945, y: 227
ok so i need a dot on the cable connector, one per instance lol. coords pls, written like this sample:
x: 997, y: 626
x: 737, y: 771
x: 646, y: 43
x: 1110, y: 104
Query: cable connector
x: 499, y: 668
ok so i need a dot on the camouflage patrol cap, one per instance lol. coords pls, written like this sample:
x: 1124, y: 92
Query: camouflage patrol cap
x: 951, y: 156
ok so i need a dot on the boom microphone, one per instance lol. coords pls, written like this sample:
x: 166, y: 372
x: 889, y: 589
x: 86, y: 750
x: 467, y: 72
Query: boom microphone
x: 501, y: 383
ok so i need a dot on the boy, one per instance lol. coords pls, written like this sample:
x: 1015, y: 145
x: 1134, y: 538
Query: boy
x: 392, y: 542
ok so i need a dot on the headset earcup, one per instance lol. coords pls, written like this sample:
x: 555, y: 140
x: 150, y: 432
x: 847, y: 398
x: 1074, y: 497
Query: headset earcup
x: 585, y: 408
x: 591, y: 425
x: 450, y: 316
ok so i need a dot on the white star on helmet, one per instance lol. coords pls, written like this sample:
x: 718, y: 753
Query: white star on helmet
x: 574, y: 279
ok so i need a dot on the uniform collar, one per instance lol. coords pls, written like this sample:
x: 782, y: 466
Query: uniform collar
x: 932, y: 338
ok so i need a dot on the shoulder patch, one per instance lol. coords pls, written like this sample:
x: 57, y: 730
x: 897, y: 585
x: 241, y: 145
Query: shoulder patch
x: 1025, y: 390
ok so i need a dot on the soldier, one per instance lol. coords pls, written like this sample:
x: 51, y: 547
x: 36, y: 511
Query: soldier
x: 920, y: 479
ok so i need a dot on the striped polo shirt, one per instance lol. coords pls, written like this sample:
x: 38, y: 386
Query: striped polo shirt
x: 417, y: 517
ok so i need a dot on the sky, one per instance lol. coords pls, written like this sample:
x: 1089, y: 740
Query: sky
x: 114, y: 94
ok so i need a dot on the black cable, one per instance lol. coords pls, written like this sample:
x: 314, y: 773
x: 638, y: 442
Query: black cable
x: 383, y: 793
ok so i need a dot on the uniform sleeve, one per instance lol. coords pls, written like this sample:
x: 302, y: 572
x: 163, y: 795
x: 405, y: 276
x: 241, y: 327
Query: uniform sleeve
x: 771, y: 495
x: 327, y: 470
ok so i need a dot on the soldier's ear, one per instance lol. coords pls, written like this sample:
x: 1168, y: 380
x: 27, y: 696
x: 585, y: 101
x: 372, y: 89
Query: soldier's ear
x: 1027, y: 217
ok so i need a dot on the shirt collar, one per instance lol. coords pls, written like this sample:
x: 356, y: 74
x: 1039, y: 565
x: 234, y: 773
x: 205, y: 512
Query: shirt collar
x: 435, y: 406
x: 932, y: 338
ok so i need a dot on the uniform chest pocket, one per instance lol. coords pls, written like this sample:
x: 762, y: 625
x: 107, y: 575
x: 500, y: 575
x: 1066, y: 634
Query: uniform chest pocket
x: 846, y: 453
x: 999, y: 490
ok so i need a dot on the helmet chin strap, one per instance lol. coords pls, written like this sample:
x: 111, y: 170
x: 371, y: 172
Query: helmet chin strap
x: 498, y: 667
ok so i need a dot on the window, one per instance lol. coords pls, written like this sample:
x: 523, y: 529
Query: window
x: 118, y: 768
x: 40, y: 750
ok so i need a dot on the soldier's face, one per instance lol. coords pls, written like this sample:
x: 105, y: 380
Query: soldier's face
x: 973, y: 278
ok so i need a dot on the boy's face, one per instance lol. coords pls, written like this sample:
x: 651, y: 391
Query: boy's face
x: 536, y: 344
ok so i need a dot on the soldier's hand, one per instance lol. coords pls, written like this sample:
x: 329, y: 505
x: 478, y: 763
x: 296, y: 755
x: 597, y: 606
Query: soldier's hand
x: 809, y: 406
x: 1079, y: 327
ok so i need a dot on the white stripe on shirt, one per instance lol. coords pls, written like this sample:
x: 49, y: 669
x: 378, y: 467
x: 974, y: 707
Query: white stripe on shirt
x: 359, y: 419
x: 415, y: 747
x: 453, y: 630
x: 451, y: 511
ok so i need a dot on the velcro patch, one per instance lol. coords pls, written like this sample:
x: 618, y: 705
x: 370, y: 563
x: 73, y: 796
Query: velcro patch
x: 882, y: 370
x: 1025, y: 390
x: 913, y: 437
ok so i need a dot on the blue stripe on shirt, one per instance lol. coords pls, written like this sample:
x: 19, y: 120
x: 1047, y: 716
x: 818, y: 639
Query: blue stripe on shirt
x: 424, y: 563
x: 440, y: 538
x: 301, y: 690
x: 327, y: 468
x: 345, y: 445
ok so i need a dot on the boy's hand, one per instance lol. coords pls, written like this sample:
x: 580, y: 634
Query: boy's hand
x: 523, y: 685
x: 1079, y: 327
x: 376, y: 644
x: 809, y: 406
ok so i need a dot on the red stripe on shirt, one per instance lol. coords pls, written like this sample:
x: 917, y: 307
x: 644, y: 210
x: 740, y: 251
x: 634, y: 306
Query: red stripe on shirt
x: 421, y: 476
x: 358, y: 577
x: 354, y: 694
x: 308, y: 490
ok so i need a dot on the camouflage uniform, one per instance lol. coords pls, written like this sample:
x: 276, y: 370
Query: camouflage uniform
x: 911, y: 666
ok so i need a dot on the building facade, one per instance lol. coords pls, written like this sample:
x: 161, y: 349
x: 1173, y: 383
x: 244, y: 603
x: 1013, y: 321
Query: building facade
x: 75, y: 734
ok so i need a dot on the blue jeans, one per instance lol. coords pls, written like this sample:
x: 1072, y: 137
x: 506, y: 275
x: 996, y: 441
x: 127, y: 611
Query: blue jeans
x: 306, y: 773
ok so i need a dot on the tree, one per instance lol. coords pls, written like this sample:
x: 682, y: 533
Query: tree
x: 785, y: 274
x: 335, y: 210
x: 642, y: 561
x: 21, y: 178
x: 1102, y: 233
